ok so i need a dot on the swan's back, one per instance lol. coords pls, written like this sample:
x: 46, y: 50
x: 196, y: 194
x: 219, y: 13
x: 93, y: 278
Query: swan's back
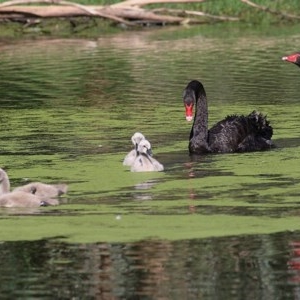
x: 146, y: 164
x: 241, y: 134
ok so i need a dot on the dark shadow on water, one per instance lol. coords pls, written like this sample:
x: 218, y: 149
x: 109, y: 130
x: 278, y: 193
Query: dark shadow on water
x: 246, y: 211
x: 287, y: 143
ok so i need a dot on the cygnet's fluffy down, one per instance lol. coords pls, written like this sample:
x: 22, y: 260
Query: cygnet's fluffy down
x: 44, y: 191
x: 131, y: 156
x: 20, y: 198
x: 23, y: 199
x: 144, y: 161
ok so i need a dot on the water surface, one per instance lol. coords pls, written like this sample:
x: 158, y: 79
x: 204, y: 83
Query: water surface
x: 206, y: 225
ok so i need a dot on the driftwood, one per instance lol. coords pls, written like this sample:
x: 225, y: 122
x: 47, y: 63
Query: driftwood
x: 128, y: 12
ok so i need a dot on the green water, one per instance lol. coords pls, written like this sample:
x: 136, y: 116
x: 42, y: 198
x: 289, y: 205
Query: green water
x: 68, y: 110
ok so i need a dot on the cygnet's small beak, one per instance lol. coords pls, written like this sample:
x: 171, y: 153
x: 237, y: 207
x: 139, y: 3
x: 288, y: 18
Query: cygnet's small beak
x: 149, y: 152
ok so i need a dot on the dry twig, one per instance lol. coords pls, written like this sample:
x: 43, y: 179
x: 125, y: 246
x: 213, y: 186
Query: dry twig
x: 272, y: 11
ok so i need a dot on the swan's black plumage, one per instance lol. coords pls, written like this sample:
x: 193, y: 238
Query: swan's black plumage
x: 233, y: 134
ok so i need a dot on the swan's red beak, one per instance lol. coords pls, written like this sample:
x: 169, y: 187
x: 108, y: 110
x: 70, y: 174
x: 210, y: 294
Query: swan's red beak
x: 291, y: 58
x: 189, y: 111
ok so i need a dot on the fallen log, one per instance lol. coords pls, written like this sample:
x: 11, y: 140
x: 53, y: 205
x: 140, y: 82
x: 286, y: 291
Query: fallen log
x: 116, y: 14
x: 38, y: 11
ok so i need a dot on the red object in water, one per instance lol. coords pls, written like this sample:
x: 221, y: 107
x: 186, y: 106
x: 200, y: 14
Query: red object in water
x: 293, y: 58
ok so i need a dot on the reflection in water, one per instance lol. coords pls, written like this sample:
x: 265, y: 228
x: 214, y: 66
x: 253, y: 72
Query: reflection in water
x: 245, y: 267
x: 294, y: 262
x: 21, y: 211
x: 144, y: 190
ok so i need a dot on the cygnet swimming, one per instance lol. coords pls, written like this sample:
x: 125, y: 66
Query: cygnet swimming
x: 42, y: 190
x: 144, y: 161
x: 19, y: 198
x: 131, y: 156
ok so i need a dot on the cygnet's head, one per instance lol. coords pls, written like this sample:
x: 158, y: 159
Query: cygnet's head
x: 136, y: 138
x: 145, y: 147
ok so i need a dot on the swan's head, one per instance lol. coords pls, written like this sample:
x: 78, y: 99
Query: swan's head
x: 190, y: 97
x: 293, y: 58
x: 136, y: 138
x: 188, y: 101
x: 145, y: 147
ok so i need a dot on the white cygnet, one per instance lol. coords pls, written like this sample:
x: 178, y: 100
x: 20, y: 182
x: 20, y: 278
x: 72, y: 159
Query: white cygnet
x: 144, y: 161
x: 131, y: 156
x: 42, y: 190
x: 19, y: 198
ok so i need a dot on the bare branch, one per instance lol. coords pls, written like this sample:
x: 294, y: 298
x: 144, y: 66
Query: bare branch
x: 180, y: 12
x: 200, y: 13
x: 267, y: 9
x: 140, y: 3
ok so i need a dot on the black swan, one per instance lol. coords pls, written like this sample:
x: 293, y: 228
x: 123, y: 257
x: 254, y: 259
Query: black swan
x: 293, y: 58
x: 144, y: 161
x: 131, y: 156
x: 233, y: 134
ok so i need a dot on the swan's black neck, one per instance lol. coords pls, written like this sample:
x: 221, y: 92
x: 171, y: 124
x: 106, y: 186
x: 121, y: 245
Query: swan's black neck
x: 199, y: 132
